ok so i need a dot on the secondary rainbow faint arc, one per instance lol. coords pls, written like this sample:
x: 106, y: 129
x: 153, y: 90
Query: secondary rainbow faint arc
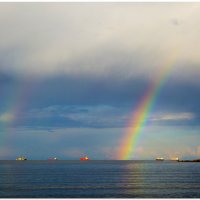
x: 140, y: 114
x: 15, y: 104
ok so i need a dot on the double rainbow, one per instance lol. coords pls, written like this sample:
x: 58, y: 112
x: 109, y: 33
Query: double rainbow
x: 142, y: 111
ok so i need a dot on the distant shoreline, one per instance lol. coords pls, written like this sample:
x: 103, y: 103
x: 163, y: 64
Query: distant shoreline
x: 198, y: 160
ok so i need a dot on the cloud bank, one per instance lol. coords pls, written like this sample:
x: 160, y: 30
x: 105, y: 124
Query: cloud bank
x: 132, y: 39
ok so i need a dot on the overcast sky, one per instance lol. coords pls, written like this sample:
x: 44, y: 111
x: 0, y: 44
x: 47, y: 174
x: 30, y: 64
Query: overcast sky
x: 72, y: 74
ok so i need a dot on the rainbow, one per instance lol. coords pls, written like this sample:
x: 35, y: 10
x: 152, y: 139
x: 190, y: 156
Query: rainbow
x: 140, y: 115
x: 12, y: 114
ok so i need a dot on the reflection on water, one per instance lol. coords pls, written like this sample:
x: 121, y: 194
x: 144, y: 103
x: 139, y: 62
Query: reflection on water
x: 133, y: 179
x: 99, y: 179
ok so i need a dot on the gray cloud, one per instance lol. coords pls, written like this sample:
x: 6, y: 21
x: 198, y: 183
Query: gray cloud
x: 83, y: 101
x: 98, y: 38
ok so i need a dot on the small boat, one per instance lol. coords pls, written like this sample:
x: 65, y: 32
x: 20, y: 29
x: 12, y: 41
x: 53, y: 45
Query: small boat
x: 160, y: 159
x: 174, y: 159
x: 84, y: 158
x: 53, y: 158
x: 21, y: 158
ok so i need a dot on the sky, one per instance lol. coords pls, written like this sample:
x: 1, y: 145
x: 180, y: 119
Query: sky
x: 73, y: 74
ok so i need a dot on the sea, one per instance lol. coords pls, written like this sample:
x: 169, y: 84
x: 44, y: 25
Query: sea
x: 99, y: 179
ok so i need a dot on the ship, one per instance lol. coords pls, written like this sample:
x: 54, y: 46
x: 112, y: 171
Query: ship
x: 160, y: 159
x: 21, y: 158
x: 53, y: 158
x: 84, y: 158
x: 174, y: 159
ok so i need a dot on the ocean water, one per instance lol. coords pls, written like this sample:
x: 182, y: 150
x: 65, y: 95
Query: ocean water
x: 99, y: 179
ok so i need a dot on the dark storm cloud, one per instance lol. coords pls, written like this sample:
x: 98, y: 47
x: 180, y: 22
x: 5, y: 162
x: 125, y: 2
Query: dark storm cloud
x: 87, y: 90
x: 179, y: 95
x: 85, y: 101
x: 65, y: 90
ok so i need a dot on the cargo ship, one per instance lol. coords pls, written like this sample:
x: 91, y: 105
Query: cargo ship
x: 84, y: 158
x: 21, y: 158
x: 160, y: 159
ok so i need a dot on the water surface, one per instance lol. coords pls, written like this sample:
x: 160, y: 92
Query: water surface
x: 106, y: 179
